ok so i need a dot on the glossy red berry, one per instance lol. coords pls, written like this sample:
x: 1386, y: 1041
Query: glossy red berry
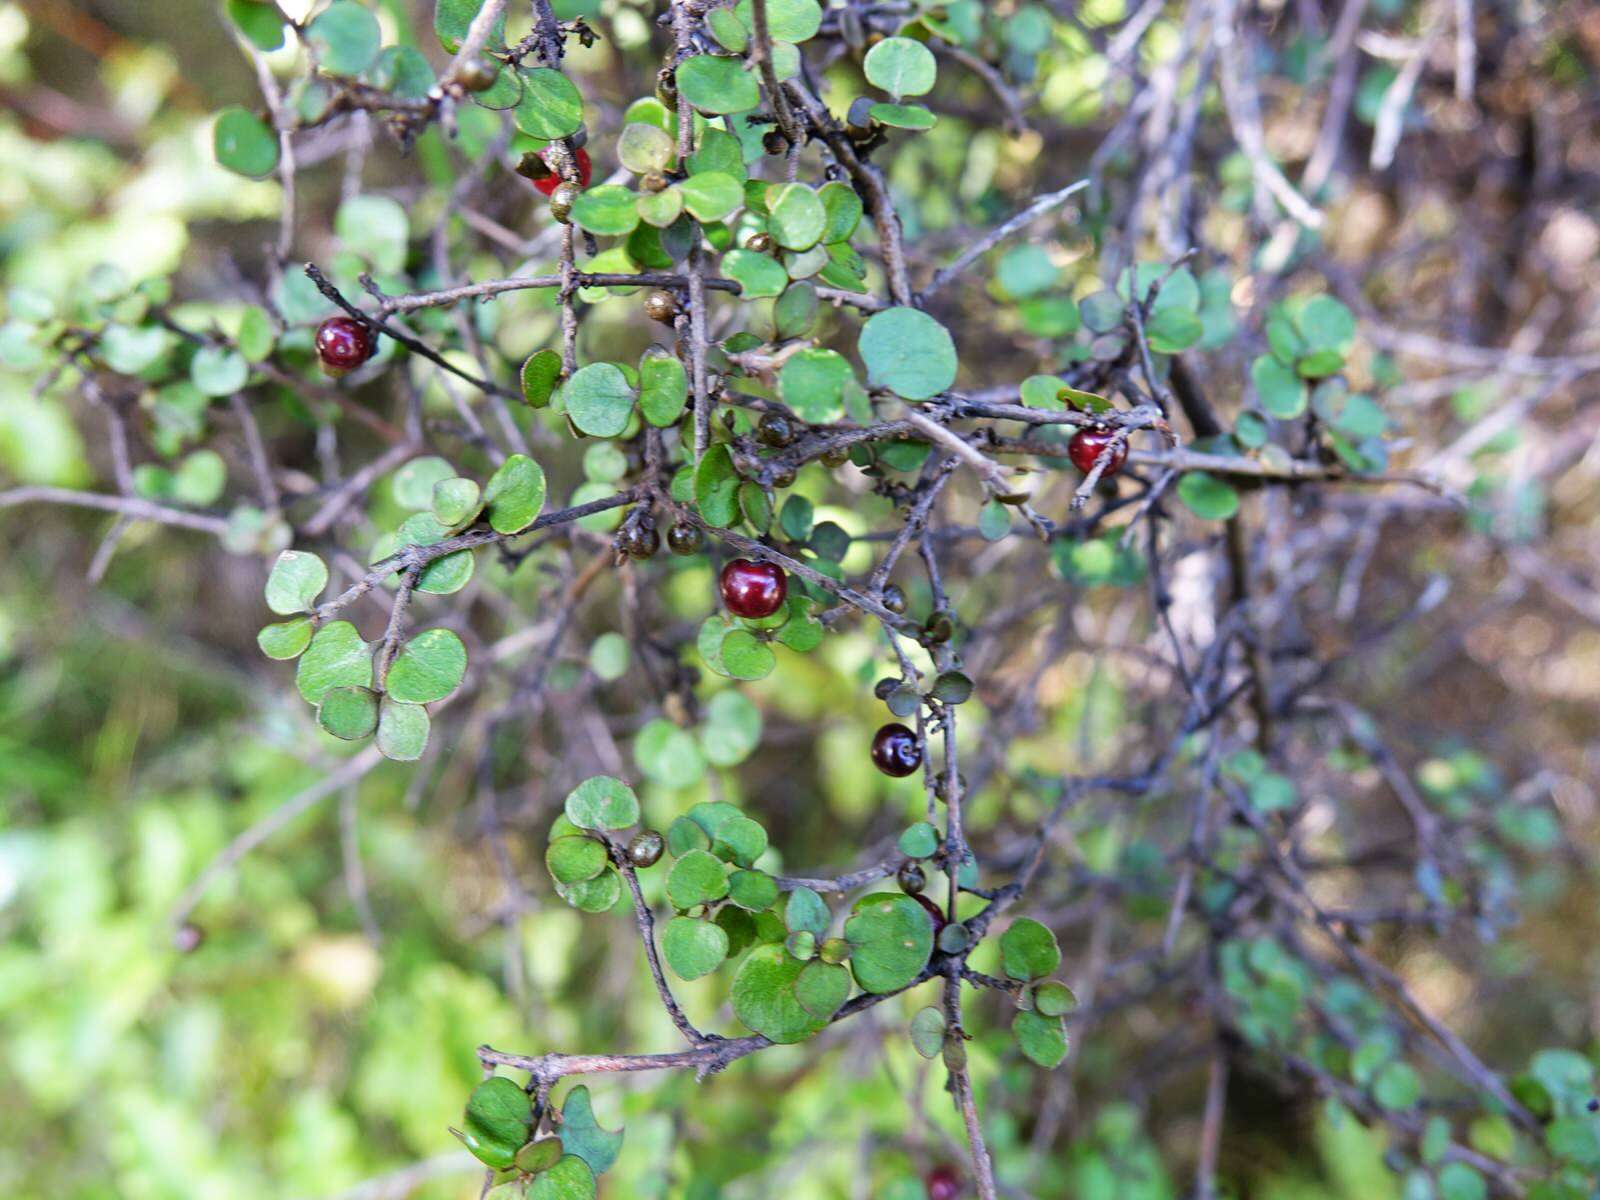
x: 550, y: 182
x: 895, y: 750
x: 753, y: 589
x: 1086, y: 446
x: 343, y: 344
x: 942, y: 1183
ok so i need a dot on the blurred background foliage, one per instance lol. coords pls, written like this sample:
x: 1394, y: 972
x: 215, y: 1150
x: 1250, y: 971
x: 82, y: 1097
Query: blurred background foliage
x: 309, y: 1046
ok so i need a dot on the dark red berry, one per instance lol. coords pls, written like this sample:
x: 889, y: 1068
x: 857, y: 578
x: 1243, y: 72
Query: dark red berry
x: 753, y: 589
x: 932, y: 910
x: 552, y: 181
x: 895, y: 750
x: 1086, y: 446
x: 911, y: 878
x: 942, y: 1183
x: 343, y: 344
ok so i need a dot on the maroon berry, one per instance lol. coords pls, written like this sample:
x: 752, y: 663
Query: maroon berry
x: 550, y: 182
x: 942, y: 1183
x: 1086, y: 446
x: 753, y: 589
x: 895, y: 750
x: 343, y: 344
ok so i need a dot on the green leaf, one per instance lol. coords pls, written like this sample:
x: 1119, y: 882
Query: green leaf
x: 904, y: 116
x: 716, y: 85
x: 575, y: 858
x: 737, y: 839
x: 256, y: 334
x: 570, y: 1179
x: 891, y: 939
x: 744, y: 657
x: 1171, y: 330
x: 540, y: 374
x: 796, y: 217
x: 1208, y: 497
x: 297, y: 579
x: 807, y: 911
x: 927, y: 1032
x: 843, y: 208
x: 1028, y: 950
x: 608, y: 210
x: 596, y: 895
x: 753, y: 890
x: 244, y: 143
x: 795, y: 312
x: 901, y: 66
x: 350, y: 713
x: 412, y: 486
x: 1458, y: 1181
x: 919, y: 841
x: 952, y: 687
x: 730, y: 32
x: 336, y: 657
x: 376, y: 228
x: 286, y: 639
x: 718, y: 150
x: 1041, y: 1039
x: 644, y: 149
x: 787, y: 20
x: 261, y: 23
x: 757, y: 274
x: 821, y: 988
x: 696, y: 878
x: 219, y: 371
x: 711, y: 195
x: 126, y: 350
x: 1397, y: 1086
x: 812, y: 383
x: 444, y: 575
x: 602, y: 802
x: 663, y: 389
x: 1282, y: 392
x: 1103, y: 311
x: 402, y: 730
x: 583, y: 1136
x: 498, y: 1120
x: 345, y: 38
x: 539, y: 1155
x: 1326, y: 324
x: 1054, y: 998
x: 716, y: 487
x: 515, y: 494
x: 456, y: 501
x: 551, y: 106
x: 693, y: 948
x: 429, y: 667
x: 598, y: 399
x: 659, y: 209
x: 764, y: 996
x: 908, y: 352
x: 732, y: 729
x: 452, y: 19
x: 668, y: 755
x: 1271, y: 791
